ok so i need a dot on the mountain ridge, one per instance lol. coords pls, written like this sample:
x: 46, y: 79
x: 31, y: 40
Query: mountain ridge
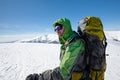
x: 53, y: 38
x: 47, y: 38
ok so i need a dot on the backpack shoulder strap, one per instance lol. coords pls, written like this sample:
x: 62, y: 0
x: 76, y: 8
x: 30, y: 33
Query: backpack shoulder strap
x: 105, y: 41
x: 71, y: 40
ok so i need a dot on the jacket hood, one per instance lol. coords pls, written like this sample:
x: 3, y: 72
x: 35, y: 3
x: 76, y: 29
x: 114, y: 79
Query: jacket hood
x: 68, y: 30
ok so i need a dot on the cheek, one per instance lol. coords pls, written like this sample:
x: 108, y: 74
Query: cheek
x: 62, y: 31
x: 59, y: 33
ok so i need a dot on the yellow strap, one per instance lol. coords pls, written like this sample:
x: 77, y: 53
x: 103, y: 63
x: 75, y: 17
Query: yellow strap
x: 76, y: 76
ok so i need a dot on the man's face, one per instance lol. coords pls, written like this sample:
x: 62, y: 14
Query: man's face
x: 59, y: 30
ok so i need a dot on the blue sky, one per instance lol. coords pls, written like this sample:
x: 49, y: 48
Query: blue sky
x: 37, y: 16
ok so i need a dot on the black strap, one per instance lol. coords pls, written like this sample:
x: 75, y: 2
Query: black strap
x: 105, y: 40
x: 71, y: 40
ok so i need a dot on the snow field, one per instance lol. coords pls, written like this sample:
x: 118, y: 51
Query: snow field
x: 17, y: 60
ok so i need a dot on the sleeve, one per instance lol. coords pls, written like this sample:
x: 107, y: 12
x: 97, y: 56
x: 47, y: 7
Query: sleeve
x: 46, y: 75
x: 32, y: 77
x: 70, y: 56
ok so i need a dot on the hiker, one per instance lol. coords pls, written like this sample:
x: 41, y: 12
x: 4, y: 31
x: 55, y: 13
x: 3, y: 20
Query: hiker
x: 72, y: 58
x: 71, y: 66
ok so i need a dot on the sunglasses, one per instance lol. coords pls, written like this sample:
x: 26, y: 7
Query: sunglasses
x: 58, y: 28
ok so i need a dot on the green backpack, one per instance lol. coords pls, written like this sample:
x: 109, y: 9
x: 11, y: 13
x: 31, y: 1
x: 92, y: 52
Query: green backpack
x: 91, y: 31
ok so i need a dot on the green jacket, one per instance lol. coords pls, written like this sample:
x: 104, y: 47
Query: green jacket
x: 69, y: 55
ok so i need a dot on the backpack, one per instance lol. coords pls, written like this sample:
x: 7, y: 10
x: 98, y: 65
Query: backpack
x: 90, y: 29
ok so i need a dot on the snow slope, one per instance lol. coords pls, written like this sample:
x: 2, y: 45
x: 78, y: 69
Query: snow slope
x: 17, y: 60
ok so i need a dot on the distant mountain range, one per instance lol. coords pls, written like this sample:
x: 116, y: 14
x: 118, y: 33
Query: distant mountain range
x: 50, y: 38
x: 53, y: 38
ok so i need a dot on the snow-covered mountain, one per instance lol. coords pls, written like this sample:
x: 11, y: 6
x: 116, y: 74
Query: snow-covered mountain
x: 47, y: 38
x: 53, y: 38
x: 17, y: 60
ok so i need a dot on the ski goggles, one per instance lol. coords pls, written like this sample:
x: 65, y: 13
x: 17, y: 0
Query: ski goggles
x: 58, y: 28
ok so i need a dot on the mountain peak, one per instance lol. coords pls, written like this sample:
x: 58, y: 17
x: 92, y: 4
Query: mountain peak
x: 47, y: 38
